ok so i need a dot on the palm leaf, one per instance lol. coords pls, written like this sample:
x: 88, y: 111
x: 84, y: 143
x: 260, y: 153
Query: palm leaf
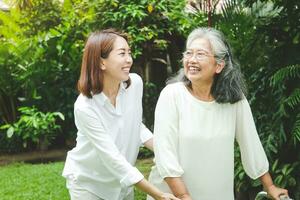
x: 286, y: 73
x: 296, y: 130
x: 294, y: 99
x: 231, y: 8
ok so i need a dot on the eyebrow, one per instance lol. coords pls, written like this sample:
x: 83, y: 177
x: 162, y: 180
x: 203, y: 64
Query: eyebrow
x: 123, y: 49
x: 189, y: 49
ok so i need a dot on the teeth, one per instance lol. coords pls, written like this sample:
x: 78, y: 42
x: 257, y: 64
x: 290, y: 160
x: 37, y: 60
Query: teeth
x: 126, y: 69
x: 195, y: 69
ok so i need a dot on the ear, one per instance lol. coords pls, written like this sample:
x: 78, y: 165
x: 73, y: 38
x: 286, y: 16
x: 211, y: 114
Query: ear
x: 220, y: 67
x: 102, y: 65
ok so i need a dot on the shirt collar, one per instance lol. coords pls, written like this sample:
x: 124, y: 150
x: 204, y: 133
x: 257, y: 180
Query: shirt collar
x: 103, y: 99
x: 122, y: 87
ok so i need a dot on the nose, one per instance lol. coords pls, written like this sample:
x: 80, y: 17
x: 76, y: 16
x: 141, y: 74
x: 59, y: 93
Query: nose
x: 192, y: 59
x: 129, y: 59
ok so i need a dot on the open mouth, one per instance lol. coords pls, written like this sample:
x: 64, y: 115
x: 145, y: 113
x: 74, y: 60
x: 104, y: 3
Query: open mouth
x: 194, y: 69
x: 126, y: 69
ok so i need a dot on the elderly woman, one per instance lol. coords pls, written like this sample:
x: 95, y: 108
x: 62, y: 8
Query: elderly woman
x: 197, y: 119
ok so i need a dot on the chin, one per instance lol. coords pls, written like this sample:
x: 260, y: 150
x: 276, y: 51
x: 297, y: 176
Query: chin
x: 125, y: 77
x: 192, y: 77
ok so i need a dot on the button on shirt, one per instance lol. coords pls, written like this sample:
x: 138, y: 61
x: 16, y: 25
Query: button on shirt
x: 108, y: 141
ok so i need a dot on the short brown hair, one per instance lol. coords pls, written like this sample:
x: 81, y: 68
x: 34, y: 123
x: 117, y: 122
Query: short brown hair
x: 98, y: 45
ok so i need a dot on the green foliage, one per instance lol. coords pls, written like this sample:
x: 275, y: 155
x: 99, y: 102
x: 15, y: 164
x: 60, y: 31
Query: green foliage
x: 289, y: 72
x: 34, y: 126
x: 284, y: 175
x: 145, y: 153
x: 40, y: 66
x: 150, y: 96
x: 40, y: 16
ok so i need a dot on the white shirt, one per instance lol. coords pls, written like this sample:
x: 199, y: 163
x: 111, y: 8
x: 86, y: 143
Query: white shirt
x: 194, y: 140
x: 108, y: 141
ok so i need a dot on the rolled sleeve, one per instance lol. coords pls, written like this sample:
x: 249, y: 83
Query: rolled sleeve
x: 132, y: 177
x: 166, y: 136
x: 254, y: 159
x: 90, y: 124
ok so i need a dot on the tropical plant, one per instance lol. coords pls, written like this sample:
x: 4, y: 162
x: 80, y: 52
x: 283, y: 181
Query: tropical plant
x: 35, y: 126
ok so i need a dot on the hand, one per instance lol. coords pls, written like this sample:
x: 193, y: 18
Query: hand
x: 166, y: 196
x: 185, y: 197
x: 275, y: 192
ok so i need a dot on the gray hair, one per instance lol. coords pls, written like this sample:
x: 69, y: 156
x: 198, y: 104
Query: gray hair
x: 229, y: 85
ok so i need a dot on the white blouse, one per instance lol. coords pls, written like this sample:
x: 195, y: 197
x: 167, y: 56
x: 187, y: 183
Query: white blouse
x: 194, y: 140
x: 108, y: 141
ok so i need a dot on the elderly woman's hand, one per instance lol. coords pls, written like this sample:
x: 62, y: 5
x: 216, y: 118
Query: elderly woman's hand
x: 167, y: 196
x: 275, y: 192
x: 185, y: 197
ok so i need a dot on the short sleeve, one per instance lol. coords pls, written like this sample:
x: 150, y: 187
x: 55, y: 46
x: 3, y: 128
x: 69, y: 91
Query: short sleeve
x: 254, y: 159
x: 166, y: 135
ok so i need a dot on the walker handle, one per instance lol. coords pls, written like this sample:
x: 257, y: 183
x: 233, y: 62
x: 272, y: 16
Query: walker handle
x: 262, y: 194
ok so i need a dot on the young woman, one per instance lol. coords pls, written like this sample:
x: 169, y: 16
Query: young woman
x: 108, y: 116
x: 197, y: 120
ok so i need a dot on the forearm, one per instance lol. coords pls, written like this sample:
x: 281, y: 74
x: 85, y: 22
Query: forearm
x: 266, y: 181
x: 177, y: 186
x: 273, y: 191
x: 148, y: 188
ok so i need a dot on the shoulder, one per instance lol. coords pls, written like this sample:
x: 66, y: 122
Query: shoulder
x: 173, y: 88
x: 242, y: 104
x: 243, y: 101
x: 136, y: 85
x: 83, y: 103
x: 135, y: 79
x: 172, y: 92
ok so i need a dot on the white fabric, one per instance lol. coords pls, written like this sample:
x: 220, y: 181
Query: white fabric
x: 78, y: 193
x: 108, y: 141
x: 194, y: 140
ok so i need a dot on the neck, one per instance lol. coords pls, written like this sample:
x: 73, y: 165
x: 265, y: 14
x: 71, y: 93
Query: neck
x: 110, y: 89
x: 202, y: 91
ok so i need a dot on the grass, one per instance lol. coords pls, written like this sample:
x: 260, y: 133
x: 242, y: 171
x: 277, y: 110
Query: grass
x: 21, y: 181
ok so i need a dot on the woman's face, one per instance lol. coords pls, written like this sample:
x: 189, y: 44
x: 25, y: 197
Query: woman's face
x: 119, y: 61
x: 199, y: 62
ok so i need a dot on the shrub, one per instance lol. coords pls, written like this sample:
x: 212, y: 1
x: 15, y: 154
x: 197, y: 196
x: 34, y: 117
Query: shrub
x: 35, y: 126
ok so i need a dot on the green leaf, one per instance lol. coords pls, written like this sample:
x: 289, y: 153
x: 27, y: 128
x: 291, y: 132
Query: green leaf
x: 294, y: 99
x: 5, y: 126
x: 286, y: 73
x: 10, y: 132
x: 60, y: 115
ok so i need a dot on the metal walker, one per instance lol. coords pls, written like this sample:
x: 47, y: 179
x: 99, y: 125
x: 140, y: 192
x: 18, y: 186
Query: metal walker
x: 263, y: 195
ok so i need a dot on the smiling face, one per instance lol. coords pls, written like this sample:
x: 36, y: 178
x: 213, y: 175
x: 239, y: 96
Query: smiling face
x: 199, y: 62
x: 119, y: 61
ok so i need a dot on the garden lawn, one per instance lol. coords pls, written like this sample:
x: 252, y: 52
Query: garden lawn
x: 21, y: 181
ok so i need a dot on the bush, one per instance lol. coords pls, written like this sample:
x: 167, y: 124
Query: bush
x: 35, y: 126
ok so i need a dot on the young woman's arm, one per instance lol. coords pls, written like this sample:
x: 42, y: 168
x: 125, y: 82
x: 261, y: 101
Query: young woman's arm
x: 149, y: 144
x: 146, y: 137
x: 148, y: 188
